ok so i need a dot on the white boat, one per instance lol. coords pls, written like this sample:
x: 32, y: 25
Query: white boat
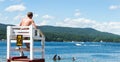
x: 101, y: 41
x: 78, y: 44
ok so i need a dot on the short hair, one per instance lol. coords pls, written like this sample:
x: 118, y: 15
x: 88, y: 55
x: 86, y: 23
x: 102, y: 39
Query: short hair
x: 29, y: 14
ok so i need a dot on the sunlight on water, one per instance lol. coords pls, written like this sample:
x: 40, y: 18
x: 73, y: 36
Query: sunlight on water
x: 85, y: 52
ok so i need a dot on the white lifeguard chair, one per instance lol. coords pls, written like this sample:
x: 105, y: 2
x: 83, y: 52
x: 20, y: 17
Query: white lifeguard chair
x: 16, y: 34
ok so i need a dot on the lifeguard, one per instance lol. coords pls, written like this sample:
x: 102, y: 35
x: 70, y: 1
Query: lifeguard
x: 25, y: 33
x: 27, y: 21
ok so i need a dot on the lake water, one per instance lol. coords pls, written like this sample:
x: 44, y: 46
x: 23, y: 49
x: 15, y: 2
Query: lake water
x: 82, y: 51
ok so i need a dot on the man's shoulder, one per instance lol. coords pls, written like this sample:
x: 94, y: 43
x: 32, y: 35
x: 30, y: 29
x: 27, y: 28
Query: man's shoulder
x: 31, y: 20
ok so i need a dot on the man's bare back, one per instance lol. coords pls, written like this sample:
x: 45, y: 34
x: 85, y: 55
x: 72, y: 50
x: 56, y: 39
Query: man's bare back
x: 27, y: 22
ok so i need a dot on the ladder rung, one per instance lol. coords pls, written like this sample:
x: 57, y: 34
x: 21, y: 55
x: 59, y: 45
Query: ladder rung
x: 23, y: 31
x: 21, y: 34
x: 38, y: 38
x: 26, y: 49
x: 24, y: 41
x: 14, y: 36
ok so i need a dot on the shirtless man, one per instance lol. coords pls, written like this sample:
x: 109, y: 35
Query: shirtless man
x: 27, y: 22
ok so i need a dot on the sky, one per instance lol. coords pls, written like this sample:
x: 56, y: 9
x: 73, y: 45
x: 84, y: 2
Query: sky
x: 102, y: 15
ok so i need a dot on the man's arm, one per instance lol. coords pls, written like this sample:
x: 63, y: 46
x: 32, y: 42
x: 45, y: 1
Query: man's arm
x: 20, y: 23
x: 33, y: 23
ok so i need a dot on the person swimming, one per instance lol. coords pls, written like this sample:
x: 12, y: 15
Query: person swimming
x: 73, y: 58
x: 56, y: 57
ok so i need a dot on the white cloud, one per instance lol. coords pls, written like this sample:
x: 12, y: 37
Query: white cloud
x: 19, y: 7
x: 3, y: 17
x: 78, y: 22
x: 114, y: 7
x: 35, y: 15
x: 48, y: 17
x: 77, y: 12
x: 2, y: 0
x: 43, y: 23
x: 18, y: 17
x: 112, y: 27
x: 6, y: 18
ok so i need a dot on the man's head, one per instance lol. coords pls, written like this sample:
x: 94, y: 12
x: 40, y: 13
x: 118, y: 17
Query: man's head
x: 30, y: 14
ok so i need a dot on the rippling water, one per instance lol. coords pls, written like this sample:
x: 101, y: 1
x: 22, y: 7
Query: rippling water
x: 82, y: 51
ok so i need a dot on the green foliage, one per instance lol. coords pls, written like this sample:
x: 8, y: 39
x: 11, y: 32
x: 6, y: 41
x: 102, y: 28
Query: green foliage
x: 2, y: 31
x: 77, y: 34
x: 70, y: 34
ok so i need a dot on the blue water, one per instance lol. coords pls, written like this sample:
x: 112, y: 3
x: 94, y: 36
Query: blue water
x: 82, y: 51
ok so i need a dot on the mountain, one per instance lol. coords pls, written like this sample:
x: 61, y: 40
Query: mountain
x: 77, y: 34
x: 2, y: 31
x: 54, y: 33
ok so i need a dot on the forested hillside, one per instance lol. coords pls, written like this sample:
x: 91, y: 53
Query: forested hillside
x: 53, y: 33
x: 77, y: 34
x: 3, y: 31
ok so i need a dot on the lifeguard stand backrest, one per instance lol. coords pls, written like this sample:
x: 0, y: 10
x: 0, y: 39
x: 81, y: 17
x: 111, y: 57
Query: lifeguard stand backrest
x: 19, y: 30
x: 25, y: 31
